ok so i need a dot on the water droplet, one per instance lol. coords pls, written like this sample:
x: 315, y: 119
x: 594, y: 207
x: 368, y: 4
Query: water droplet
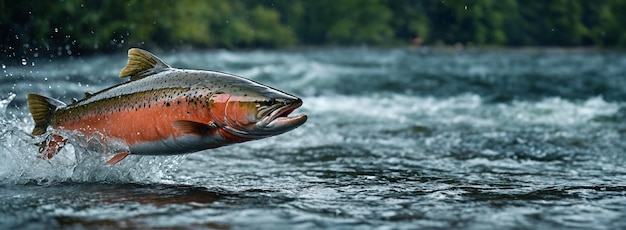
x: 4, y: 66
x: 56, y: 30
x: 138, y: 133
x: 466, y: 7
x: 24, y: 61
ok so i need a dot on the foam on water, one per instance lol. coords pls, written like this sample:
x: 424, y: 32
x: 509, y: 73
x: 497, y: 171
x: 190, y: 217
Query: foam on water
x: 468, y: 109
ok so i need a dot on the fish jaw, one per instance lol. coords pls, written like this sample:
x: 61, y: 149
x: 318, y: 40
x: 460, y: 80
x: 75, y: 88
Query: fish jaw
x: 279, y: 121
x: 256, y: 113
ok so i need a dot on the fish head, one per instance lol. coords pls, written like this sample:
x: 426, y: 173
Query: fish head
x: 252, y: 111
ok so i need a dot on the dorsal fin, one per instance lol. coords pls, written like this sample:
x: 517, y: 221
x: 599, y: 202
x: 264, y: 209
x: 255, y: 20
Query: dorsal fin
x: 141, y: 64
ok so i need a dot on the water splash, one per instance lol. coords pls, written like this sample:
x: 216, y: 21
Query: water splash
x: 79, y: 161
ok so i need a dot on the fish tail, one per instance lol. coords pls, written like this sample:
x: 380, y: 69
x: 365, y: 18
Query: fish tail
x: 42, y: 108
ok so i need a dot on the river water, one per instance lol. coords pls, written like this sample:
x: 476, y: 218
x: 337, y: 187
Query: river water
x: 396, y: 139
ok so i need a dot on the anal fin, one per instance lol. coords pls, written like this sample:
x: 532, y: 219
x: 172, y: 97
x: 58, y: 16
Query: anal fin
x: 117, y: 158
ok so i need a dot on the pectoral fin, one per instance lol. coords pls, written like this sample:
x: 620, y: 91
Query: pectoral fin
x: 195, y: 128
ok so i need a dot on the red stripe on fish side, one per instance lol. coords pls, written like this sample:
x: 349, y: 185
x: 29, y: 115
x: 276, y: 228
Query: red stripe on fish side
x: 146, y: 124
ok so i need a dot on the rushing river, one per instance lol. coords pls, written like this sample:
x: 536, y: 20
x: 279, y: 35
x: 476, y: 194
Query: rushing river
x: 396, y: 139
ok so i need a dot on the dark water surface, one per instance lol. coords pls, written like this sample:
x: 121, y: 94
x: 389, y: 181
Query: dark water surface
x: 396, y: 139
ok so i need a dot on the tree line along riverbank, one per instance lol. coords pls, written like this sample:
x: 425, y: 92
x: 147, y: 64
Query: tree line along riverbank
x: 68, y: 27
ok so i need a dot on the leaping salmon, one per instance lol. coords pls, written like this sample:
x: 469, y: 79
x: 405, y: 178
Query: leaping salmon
x: 165, y: 111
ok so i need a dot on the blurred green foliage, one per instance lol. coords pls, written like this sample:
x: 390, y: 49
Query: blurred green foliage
x: 64, y: 26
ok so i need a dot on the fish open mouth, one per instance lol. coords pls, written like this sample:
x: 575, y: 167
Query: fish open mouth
x: 280, y: 119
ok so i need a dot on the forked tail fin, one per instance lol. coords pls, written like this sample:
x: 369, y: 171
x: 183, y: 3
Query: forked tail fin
x: 42, y: 108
